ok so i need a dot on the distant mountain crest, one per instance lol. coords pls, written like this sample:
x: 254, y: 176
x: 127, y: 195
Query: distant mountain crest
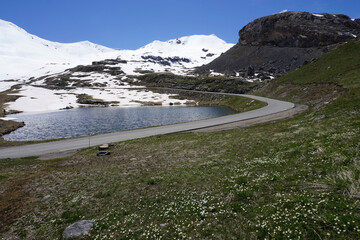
x: 188, y: 46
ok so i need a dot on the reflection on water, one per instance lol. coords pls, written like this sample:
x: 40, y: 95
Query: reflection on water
x: 85, y: 121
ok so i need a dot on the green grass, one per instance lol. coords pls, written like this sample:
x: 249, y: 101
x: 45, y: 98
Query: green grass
x: 9, y: 163
x: 13, y: 168
x: 341, y: 66
x: 235, y: 103
x: 292, y: 179
x: 201, y: 83
x: 241, y: 104
x: 259, y: 181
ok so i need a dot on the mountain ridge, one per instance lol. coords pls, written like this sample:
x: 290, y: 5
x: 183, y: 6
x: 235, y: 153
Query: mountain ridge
x: 26, y: 55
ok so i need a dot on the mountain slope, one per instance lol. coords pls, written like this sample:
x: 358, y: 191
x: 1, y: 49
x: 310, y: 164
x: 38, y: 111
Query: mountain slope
x: 340, y: 66
x: 323, y: 81
x: 282, y: 42
x: 23, y: 54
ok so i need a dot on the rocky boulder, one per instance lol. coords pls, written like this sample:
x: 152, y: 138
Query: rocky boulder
x: 79, y: 228
x: 299, y: 29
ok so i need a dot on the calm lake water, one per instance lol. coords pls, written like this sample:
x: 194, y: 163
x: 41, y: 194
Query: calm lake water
x: 85, y: 121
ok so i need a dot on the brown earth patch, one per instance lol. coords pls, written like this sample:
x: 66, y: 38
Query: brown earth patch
x: 14, y: 200
x: 8, y: 126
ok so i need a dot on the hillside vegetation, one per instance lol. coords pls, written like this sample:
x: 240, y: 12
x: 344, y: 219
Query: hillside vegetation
x: 341, y: 66
x: 203, y: 83
x: 293, y: 179
x: 323, y: 80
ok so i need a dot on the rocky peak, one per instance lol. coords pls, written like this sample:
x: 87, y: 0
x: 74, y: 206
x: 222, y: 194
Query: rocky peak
x: 299, y: 29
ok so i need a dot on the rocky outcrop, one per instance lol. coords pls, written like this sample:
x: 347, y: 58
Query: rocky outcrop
x: 165, y: 61
x: 77, y: 77
x: 299, y: 29
x: 282, y: 42
x: 97, y: 68
x: 357, y: 20
x: 110, y: 62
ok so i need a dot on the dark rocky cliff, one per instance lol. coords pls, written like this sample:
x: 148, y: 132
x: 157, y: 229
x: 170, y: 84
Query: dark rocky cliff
x: 282, y: 42
x: 299, y: 29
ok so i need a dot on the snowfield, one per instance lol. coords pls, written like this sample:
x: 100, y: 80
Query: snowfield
x: 24, y: 55
x: 26, y: 58
x: 52, y: 100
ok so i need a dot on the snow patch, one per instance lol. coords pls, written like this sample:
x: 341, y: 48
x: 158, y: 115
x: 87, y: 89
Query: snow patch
x: 8, y: 119
x: 5, y: 85
x: 38, y: 99
x: 317, y: 15
x: 215, y: 74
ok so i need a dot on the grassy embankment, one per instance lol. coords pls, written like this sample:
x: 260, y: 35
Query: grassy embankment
x: 293, y: 179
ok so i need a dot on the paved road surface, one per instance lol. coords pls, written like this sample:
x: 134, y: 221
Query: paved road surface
x: 274, y: 106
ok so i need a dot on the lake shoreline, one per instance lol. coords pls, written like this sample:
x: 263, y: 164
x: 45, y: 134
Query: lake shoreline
x: 80, y: 122
x: 202, y: 99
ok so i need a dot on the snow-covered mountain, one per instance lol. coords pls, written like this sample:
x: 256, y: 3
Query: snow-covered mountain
x: 23, y: 55
x: 51, y: 81
x: 199, y: 49
x: 176, y: 55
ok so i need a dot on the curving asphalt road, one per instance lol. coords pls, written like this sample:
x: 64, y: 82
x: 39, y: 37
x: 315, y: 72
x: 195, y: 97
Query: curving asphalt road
x: 274, y: 106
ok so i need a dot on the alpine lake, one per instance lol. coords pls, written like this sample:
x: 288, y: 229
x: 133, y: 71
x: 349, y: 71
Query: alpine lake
x: 97, y: 120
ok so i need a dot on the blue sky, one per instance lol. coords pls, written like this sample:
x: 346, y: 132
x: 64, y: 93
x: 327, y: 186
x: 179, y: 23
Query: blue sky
x: 130, y: 24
